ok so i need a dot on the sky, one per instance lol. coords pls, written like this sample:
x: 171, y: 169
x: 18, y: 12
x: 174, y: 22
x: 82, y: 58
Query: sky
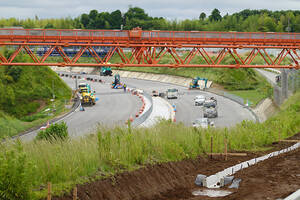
x: 171, y: 9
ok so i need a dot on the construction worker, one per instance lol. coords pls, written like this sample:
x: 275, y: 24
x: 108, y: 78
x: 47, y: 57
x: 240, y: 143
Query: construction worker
x: 124, y: 86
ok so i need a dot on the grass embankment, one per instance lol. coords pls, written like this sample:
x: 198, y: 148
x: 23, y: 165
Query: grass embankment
x: 65, y: 163
x: 25, y: 93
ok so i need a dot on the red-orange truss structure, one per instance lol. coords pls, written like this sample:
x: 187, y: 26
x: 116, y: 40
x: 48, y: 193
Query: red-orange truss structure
x: 138, y: 48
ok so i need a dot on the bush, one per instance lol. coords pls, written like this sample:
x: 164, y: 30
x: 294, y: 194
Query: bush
x: 15, y: 173
x: 58, y: 131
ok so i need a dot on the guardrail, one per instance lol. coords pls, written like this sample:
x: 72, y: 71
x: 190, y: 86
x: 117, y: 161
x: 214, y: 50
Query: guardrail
x: 75, y: 105
x: 138, y: 121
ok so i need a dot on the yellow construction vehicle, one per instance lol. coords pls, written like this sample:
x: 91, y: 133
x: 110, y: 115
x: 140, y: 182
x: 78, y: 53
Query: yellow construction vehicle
x: 87, y: 96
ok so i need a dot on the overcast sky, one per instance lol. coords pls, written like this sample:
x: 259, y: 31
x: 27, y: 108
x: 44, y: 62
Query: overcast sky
x: 171, y: 9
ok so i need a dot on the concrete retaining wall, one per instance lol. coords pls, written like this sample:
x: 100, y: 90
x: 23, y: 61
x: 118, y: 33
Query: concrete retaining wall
x: 176, y: 80
x: 265, y: 109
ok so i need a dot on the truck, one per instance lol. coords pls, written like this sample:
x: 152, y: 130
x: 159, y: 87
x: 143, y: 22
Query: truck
x: 87, y: 96
x: 172, y: 93
x: 195, y: 85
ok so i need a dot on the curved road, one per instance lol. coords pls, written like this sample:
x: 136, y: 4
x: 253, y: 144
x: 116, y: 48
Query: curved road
x: 229, y: 112
x: 114, y: 107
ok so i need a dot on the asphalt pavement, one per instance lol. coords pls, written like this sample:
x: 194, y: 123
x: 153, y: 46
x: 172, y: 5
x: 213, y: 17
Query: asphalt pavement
x: 230, y: 113
x: 114, y: 106
x: 270, y: 76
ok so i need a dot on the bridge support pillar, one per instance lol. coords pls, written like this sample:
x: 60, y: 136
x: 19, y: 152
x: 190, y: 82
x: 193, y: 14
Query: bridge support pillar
x: 284, y: 84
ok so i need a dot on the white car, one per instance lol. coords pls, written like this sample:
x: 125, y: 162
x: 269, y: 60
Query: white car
x: 172, y: 93
x: 203, y: 123
x: 199, y: 100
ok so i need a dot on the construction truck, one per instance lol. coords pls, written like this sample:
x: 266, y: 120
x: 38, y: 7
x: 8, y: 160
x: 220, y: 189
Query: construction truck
x: 87, y: 96
x: 116, y: 84
x: 195, y: 85
x: 105, y: 71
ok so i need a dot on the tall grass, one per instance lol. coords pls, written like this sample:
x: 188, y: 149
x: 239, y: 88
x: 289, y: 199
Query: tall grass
x: 108, y: 151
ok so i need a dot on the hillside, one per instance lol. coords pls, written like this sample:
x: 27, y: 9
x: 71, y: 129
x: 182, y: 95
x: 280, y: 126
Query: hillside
x: 25, y: 91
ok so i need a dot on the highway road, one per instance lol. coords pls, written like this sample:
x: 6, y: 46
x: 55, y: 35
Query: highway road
x: 114, y: 106
x: 270, y: 76
x: 229, y: 112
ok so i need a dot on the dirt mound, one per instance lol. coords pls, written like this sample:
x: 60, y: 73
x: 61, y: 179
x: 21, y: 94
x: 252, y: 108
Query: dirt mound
x: 152, y: 182
x: 175, y: 180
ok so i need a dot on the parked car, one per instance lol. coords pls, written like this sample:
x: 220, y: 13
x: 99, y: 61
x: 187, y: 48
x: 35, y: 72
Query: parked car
x: 210, y: 112
x: 199, y: 100
x: 203, y: 123
x: 210, y: 103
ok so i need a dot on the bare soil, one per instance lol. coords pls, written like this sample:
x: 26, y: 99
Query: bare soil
x: 275, y: 178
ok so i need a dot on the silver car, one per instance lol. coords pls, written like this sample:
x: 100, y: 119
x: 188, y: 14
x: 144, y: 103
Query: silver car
x: 199, y: 100
x: 203, y: 123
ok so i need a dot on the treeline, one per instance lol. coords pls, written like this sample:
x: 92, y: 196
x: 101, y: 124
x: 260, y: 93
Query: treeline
x: 246, y: 20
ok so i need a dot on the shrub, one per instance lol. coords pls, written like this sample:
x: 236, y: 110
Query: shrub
x: 15, y: 173
x: 58, y: 131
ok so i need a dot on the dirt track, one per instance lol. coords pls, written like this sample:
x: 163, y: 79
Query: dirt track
x: 271, y: 179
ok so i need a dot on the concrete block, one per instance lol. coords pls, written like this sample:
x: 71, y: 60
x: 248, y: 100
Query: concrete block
x: 199, y: 179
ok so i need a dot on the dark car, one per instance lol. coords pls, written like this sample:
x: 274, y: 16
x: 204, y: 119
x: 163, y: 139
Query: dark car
x: 155, y: 93
x: 210, y: 103
x: 210, y: 112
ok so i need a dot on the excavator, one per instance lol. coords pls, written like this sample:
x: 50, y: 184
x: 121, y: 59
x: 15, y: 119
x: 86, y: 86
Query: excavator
x: 116, y: 84
x: 194, y: 84
x: 105, y: 71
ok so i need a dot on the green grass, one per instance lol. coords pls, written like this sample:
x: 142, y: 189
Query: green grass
x: 109, y: 151
x: 253, y: 96
x: 24, y: 91
x: 11, y: 126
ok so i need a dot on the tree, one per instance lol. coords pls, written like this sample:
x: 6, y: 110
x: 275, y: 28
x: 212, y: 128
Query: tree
x: 116, y: 19
x: 202, y: 16
x: 85, y: 19
x: 215, y: 15
x: 49, y: 26
x: 137, y: 13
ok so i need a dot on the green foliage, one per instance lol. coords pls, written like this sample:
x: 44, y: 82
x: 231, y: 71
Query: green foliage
x: 57, y: 131
x: 69, y: 162
x: 215, y: 15
x: 14, y: 72
x: 15, y: 172
x: 246, y: 20
x: 22, y: 87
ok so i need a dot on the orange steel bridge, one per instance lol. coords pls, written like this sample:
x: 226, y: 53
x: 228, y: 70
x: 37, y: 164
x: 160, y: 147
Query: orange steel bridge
x: 138, y: 48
